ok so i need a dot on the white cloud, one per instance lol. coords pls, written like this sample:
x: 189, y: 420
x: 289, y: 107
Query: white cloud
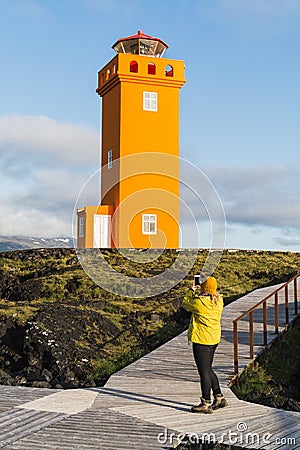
x: 241, y: 236
x: 290, y: 237
x: 33, y: 206
x: 45, y: 139
x: 33, y: 222
x: 268, y: 196
x: 286, y: 242
x: 43, y: 206
x: 262, y: 238
x: 43, y: 166
x: 261, y: 205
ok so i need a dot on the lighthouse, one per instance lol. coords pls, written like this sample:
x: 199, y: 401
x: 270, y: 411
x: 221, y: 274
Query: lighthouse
x: 139, y: 204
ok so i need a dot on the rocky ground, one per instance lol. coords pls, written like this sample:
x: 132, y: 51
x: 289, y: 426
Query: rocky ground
x: 60, y: 330
x: 43, y: 352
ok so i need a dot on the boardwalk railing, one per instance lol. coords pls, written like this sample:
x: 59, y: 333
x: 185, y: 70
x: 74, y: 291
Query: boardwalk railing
x: 263, y: 302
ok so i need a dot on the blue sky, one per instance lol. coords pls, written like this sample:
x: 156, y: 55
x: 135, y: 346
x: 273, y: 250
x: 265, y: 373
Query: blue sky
x: 240, y: 107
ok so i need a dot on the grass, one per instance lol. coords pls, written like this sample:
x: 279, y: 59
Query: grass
x: 103, y: 368
x: 254, y: 377
x: 62, y: 281
x: 275, y: 367
x: 282, y: 360
x: 20, y: 313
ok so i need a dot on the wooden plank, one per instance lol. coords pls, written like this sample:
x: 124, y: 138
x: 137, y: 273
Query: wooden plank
x: 106, y: 430
x: 23, y: 423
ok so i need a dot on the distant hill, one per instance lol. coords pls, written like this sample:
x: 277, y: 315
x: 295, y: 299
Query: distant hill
x: 9, y: 243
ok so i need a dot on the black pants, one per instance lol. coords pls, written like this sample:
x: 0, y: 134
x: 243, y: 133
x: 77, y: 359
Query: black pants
x: 204, y: 355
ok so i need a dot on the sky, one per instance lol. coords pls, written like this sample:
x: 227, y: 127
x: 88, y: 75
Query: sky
x: 239, y: 118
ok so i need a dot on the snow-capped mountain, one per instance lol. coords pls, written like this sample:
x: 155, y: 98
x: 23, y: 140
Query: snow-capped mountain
x: 8, y: 243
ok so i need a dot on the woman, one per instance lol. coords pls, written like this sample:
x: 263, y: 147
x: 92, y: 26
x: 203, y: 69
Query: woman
x: 206, y: 306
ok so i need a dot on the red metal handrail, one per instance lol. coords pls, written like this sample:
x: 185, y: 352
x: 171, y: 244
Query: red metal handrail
x: 263, y: 302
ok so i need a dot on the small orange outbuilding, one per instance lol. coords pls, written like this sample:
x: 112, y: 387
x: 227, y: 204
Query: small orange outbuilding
x: 140, y: 166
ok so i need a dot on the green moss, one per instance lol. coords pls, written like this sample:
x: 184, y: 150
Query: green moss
x: 20, y: 313
x: 104, y: 367
x: 276, y: 366
x: 282, y: 359
x: 133, y: 331
x: 252, y: 378
x: 82, y: 345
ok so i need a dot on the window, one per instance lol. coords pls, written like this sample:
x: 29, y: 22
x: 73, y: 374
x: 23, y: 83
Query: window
x: 81, y: 226
x: 151, y: 69
x: 169, y: 71
x: 149, y: 224
x: 150, y: 101
x: 107, y: 74
x: 109, y: 159
x: 134, y: 67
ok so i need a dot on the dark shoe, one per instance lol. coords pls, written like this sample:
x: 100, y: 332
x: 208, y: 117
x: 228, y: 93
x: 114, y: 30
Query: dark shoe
x: 204, y: 407
x: 219, y: 402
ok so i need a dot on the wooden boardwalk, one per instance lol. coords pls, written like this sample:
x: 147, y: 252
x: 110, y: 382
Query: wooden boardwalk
x: 147, y: 404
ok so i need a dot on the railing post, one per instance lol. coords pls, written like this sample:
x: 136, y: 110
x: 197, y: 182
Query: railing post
x: 251, y: 335
x: 296, y: 295
x: 286, y: 297
x: 236, y: 348
x: 276, y: 313
x: 265, y: 323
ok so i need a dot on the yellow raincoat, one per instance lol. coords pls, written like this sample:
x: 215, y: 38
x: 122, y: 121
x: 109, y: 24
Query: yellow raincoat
x: 205, y: 327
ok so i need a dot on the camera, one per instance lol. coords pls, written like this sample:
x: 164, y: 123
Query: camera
x: 196, y: 280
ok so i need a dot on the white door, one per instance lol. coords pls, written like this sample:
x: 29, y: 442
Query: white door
x: 101, y: 231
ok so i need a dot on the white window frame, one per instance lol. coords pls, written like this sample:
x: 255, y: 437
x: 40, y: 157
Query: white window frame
x: 147, y: 221
x: 81, y: 226
x: 109, y: 159
x: 150, y: 101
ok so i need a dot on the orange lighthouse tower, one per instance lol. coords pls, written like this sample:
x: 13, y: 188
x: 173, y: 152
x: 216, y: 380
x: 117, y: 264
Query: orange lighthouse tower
x: 139, y: 205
